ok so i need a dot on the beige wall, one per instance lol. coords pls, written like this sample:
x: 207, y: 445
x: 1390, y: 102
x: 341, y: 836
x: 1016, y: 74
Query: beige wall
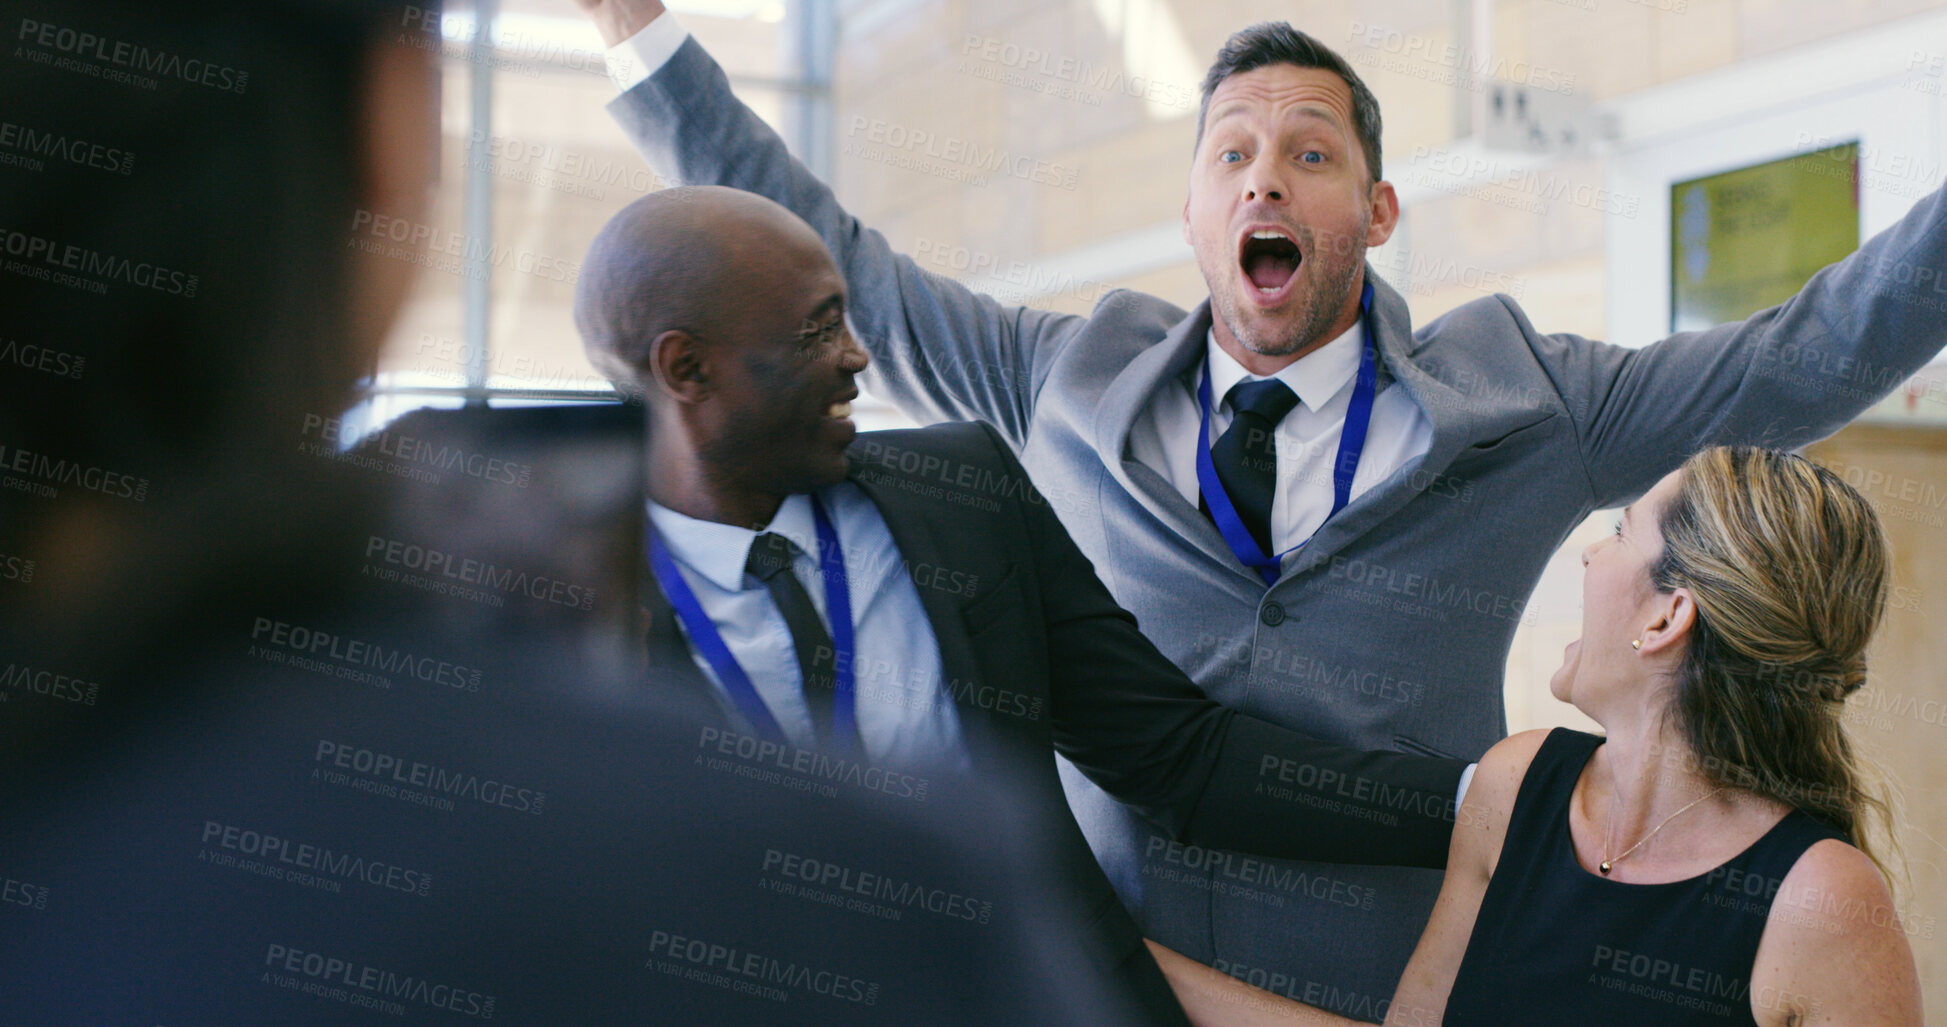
x: 1900, y: 717
x: 932, y: 69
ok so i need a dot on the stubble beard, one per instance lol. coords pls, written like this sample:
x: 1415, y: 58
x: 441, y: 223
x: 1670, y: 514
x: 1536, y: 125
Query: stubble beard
x: 1318, y: 302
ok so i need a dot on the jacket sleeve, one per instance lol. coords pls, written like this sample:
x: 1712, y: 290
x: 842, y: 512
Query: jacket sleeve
x: 940, y: 351
x: 1781, y: 378
x: 1137, y: 726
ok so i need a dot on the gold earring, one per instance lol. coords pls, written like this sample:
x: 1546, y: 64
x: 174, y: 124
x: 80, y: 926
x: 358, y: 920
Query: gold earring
x: 1636, y: 644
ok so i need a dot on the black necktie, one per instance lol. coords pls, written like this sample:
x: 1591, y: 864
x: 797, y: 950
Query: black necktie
x: 1246, y: 455
x: 770, y: 562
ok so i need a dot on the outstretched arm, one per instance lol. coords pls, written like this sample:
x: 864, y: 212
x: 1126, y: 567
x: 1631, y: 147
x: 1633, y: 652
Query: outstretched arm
x: 1214, y: 999
x: 940, y: 351
x: 1138, y: 727
x: 1782, y: 378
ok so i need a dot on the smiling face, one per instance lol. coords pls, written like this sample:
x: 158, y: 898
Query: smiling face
x: 1620, y: 605
x: 778, y: 414
x: 1281, y: 211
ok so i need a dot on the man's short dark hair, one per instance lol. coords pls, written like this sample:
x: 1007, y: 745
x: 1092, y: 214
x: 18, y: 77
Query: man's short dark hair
x: 1276, y: 42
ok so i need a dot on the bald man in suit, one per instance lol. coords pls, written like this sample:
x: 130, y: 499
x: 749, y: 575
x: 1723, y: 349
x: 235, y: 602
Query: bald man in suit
x: 954, y: 625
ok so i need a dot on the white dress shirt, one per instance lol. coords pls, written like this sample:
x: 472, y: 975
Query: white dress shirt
x: 638, y: 56
x: 904, y: 715
x: 1164, y: 435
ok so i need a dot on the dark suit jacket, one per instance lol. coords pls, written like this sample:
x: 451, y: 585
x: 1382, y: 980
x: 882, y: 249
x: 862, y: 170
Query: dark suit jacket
x: 1039, y: 659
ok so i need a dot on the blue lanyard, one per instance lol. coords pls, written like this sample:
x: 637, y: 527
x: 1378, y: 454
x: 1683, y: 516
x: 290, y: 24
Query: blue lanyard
x: 1352, y: 442
x: 708, y: 641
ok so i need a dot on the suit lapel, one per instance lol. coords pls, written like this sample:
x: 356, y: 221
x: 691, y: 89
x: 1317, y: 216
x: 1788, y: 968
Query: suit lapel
x: 1154, y: 369
x: 1456, y: 424
x: 915, y: 530
x: 669, y: 662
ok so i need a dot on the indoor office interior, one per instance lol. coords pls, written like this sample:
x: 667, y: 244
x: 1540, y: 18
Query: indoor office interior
x: 1625, y: 169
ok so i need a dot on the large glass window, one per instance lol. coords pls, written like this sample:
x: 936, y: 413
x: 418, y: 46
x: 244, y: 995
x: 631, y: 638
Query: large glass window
x: 531, y: 166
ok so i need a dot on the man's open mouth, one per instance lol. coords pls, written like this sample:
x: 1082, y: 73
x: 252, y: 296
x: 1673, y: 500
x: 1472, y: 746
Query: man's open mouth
x: 1270, y: 259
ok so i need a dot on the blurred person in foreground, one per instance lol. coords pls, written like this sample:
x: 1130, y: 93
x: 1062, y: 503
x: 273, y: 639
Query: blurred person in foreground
x: 1715, y: 856
x: 182, y: 240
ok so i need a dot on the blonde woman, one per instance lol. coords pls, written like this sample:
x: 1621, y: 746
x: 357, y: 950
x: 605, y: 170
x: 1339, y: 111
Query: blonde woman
x: 1707, y: 860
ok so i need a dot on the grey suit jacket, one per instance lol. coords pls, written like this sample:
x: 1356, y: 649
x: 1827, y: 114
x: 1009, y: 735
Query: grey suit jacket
x: 1392, y: 627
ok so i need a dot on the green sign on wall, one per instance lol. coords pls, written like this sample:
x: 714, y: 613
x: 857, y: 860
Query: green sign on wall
x: 1744, y: 240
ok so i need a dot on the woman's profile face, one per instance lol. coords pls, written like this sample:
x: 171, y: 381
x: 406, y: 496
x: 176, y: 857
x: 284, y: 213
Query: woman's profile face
x: 1617, y: 604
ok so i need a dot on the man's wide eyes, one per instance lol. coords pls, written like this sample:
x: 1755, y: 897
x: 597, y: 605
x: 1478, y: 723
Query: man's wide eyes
x: 1307, y: 157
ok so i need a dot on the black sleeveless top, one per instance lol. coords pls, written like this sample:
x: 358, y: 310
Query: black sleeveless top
x: 1556, y: 944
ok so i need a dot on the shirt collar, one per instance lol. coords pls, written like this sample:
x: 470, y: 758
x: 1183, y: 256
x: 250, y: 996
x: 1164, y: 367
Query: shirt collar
x: 719, y: 551
x: 1315, y: 377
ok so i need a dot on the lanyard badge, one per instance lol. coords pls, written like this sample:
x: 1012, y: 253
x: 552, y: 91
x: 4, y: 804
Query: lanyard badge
x: 730, y: 674
x: 1352, y: 443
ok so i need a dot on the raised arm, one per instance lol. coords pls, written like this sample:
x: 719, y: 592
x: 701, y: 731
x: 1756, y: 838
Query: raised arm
x: 617, y: 20
x: 940, y: 351
x: 1782, y: 378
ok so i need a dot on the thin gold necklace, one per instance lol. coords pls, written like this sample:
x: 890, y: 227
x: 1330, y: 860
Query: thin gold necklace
x: 1609, y: 864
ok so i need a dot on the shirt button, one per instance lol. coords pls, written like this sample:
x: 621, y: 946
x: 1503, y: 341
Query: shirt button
x: 1271, y: 613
